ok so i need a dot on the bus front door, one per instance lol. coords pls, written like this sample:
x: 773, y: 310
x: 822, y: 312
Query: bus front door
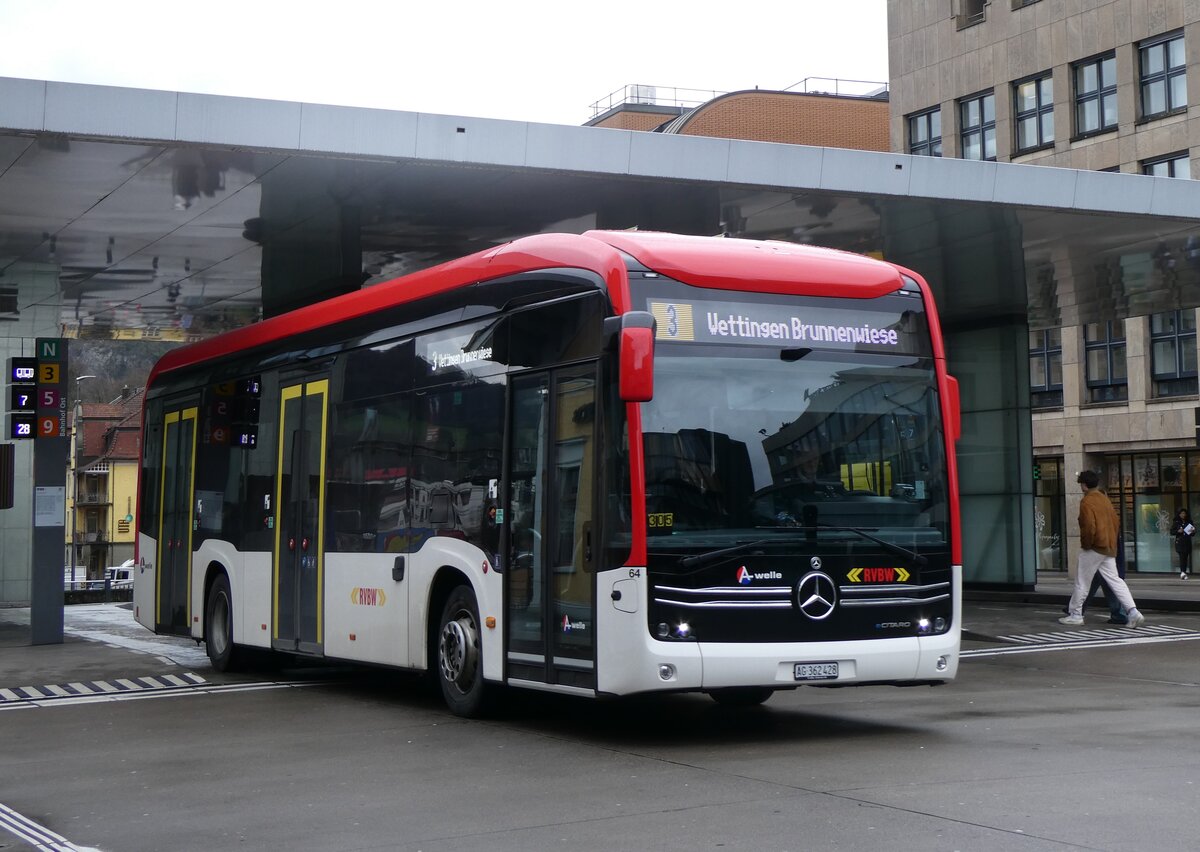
x: 173, y: 585
x: 549, y: 581
x: 299, y: 530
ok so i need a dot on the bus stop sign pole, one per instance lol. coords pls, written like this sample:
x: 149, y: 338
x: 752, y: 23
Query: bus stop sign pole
x: 50, y: 450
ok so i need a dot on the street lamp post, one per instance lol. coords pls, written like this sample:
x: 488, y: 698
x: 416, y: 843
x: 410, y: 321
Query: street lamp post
x: 75, y: 416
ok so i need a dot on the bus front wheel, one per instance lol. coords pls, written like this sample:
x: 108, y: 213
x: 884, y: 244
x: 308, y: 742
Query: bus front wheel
x: 459, y: 656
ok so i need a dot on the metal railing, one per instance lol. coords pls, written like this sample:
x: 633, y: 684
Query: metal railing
x: 664, y: 96
x: 841, y: 88
x: 686, y: 99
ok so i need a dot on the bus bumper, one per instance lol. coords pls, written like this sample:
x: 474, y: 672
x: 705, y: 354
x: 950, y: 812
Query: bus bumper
x: 701, y: 666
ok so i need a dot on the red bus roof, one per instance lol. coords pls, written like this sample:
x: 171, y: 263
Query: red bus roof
x: 773, y: 267
x: 542, y: 251
x: 717, y: 262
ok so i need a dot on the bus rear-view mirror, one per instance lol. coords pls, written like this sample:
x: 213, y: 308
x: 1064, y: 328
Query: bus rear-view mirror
x: 636, y: 364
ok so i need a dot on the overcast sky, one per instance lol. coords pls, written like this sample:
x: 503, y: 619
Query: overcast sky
x: 529, y: 60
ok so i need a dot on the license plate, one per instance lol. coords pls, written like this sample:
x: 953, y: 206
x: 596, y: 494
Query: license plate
x: 816, y: 671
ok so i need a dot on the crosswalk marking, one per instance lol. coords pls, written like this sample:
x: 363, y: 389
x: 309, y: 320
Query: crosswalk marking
x: 1074, y: 640
x: 1100, y: 633
x: 78, y: 689
x: 129, y: 689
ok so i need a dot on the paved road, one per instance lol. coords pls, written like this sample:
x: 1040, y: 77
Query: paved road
x: 1052, y: 738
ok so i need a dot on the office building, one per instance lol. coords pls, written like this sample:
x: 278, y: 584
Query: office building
x: 1083, y: 85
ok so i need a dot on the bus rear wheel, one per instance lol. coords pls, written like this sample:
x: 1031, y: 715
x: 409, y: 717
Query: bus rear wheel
x: 218, y: 627
x: 459, y: 655
x: 742, y: 696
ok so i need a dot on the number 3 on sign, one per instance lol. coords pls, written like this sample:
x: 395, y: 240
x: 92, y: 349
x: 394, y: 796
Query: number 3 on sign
x: 48, y: 374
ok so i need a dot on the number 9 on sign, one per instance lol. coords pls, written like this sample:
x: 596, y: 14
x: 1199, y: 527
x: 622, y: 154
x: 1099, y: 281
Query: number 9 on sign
x: 47, y: 427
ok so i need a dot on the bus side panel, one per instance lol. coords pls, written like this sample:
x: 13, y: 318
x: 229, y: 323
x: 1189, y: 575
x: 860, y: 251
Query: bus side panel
x: 251, y: 589
x: 366, y: 611
x: 423, y: 566
x: 143, y: 581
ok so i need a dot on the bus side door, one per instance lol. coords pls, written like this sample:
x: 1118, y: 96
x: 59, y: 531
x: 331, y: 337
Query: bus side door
x: 299, y: 550
x: 172, y: 593
x: 550, y: 574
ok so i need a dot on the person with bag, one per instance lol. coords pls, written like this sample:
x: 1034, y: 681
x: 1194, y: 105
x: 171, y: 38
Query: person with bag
x: 1183, y: 530
x: 1098, y: 534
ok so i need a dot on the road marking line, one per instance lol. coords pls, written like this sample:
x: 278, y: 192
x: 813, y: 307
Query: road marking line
x: 42, y: 838
x: 199, y: 688
x: 1075, y: 646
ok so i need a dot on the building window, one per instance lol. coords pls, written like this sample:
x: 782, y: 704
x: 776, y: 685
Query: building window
x: 970, y: 12
x: 1173, y: 353
x: 1020, y: 4
x: 925, y: 133
x: 977, y: 127
x: 1163, y: 76
x: 1033, y: 105
x: 1104, y: 351
x: 1096, y: 95
x: 1045, y: 368
x: 1173, y: 165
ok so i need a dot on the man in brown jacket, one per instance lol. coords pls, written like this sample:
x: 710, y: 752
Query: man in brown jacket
x: 1098, y: 528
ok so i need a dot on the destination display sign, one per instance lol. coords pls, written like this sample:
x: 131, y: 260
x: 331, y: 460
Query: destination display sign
x: 791, y: 326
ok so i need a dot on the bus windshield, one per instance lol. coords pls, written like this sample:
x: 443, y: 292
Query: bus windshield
x: 746, y: 442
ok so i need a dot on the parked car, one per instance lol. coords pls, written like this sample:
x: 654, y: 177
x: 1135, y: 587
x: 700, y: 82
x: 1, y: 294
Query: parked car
x: 120, y: 576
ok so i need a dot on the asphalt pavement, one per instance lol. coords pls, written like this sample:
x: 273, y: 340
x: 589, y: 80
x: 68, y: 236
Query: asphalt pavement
x: 1052, y: 738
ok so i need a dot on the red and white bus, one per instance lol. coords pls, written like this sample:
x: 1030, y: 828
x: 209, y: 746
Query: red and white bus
x: 597, y: 464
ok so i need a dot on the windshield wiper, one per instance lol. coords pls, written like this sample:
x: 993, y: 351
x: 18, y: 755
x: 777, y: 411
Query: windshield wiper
x: 712, y: 555
x: 917, y: 559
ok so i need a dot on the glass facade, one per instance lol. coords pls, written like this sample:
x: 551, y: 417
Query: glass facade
x: 1146, y: 489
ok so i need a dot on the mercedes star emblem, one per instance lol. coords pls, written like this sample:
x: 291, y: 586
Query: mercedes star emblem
x: 816, y: 595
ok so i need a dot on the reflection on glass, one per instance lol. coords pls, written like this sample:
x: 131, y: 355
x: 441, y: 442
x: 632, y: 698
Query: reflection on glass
x: 739, y: 441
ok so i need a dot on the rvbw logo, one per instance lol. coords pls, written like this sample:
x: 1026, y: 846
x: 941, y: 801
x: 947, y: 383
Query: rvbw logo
x: 745, y: 577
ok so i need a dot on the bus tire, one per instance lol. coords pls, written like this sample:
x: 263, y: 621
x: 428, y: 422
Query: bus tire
x: 742, y: 696
x: 459, y: 655
x: 218, y: 627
